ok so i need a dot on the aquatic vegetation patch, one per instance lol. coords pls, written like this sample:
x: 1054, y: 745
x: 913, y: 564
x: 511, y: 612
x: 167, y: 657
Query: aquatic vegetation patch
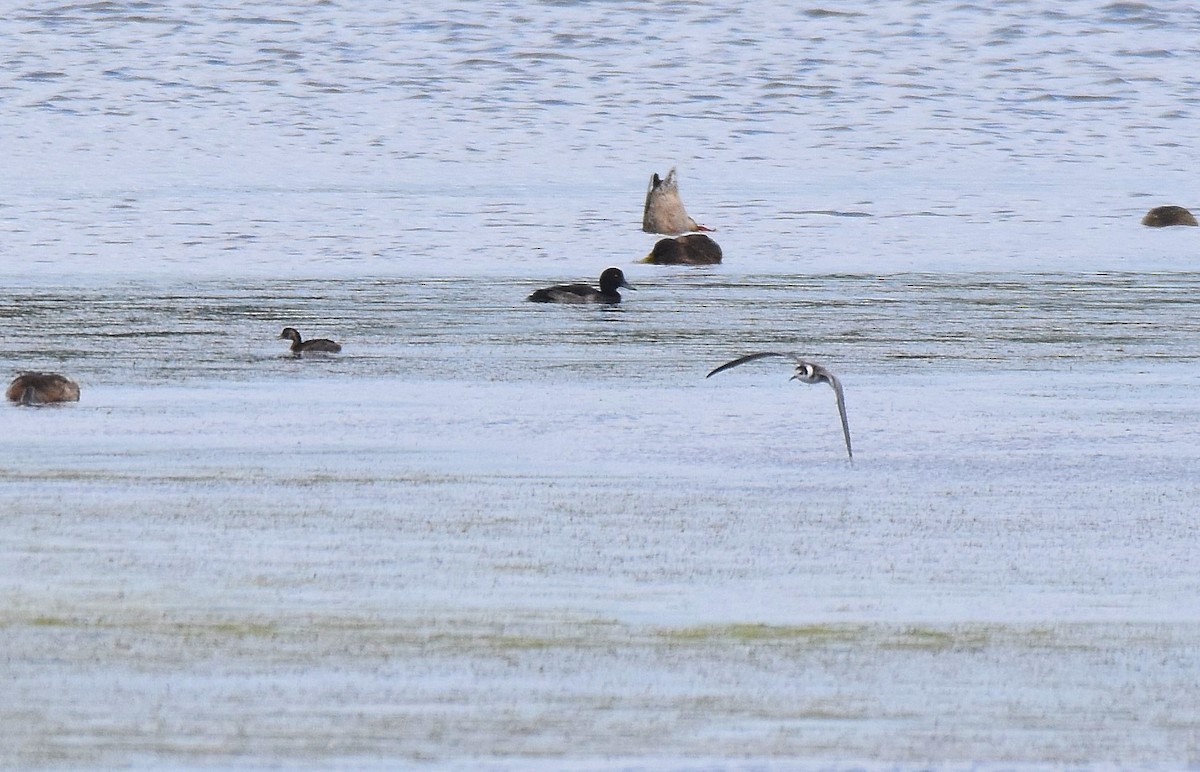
x: 51, y: 621
x: 765, y: 633
x: 928, y: 639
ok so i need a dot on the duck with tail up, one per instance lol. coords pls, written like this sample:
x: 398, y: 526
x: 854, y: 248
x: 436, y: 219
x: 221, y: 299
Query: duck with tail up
x: 664, y: 212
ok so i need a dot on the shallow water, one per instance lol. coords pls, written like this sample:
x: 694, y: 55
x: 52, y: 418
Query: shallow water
x: 493, y: 533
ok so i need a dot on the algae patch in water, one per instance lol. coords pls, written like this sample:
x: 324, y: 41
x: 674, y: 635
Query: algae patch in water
x: 764, y: 633
x: 881, y: 636
x: 49, y: 621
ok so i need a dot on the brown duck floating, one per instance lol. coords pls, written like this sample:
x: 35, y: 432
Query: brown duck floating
x: 1162, y: 216
x: 693, y: 249
x: 42, y: 388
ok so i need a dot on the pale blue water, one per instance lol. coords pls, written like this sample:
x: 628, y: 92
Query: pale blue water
x: 492, y: 533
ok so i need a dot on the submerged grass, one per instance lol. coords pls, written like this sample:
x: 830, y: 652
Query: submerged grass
x: 49, y: 621
x: 764, y: 633
x: 519, y: 632
x: 935, y: 639
x: 447, y: 636
x: 887, y: 636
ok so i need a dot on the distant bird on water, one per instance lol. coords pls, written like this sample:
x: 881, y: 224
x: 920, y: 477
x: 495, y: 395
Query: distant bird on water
x: 692, y: 249
x: 42, y: 388
x: 664, y: 212
x: 316, y: 345
x: 611, y: 280
x: 1162, y: 216
x: 806, y: 372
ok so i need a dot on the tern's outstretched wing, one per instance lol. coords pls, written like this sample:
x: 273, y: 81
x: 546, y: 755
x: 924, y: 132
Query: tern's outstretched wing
x: 832, y: 380
x: 806, y: 372
x: 747, y: 358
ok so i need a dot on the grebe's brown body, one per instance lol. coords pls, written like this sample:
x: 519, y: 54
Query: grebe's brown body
x: 316, y: 345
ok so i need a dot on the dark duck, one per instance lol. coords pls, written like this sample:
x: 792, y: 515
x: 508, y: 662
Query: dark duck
x: 610, y: 281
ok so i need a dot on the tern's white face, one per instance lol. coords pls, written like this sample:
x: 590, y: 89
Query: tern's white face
x: 805, y: 373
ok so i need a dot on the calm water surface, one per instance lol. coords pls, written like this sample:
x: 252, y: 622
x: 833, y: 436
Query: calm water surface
x: 493, y: 533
